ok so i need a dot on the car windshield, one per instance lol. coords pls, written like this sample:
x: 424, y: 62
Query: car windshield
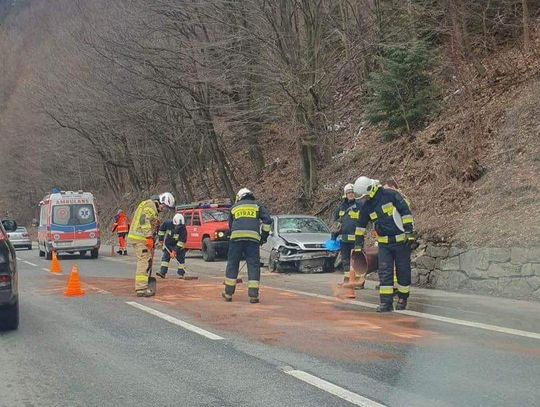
x: 302, y: 225
x: 72, y: 215
x: 215, y: 215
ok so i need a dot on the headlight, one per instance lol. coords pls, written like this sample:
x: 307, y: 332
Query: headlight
x: 221, y: 234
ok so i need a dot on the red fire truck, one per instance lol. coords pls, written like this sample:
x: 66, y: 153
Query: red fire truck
x: 207, y: 227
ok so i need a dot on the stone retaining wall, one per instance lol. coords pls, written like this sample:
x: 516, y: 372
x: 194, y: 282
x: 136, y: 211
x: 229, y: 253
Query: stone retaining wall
x: 510, y: 272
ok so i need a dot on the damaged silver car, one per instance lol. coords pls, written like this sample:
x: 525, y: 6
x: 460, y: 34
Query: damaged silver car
x: 296, y: 243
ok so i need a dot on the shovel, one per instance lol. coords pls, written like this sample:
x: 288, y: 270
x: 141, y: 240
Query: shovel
x: 152, y: 283
x: 172, y: 254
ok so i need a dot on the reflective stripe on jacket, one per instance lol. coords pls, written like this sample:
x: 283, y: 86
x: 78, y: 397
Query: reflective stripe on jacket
x: 143, y: 222
x: 245, y: 220
x: 380, y: 211
x: 121, y: 224
x: 348, y: 215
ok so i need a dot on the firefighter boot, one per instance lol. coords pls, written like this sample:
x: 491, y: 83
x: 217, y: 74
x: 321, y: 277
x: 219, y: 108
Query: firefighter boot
x: 162, y: 272
x: 226, y: 297
x: 401, y: 304
x: 125, y: 252
x: 145, y: 293
x: 119, y: 251
x: 385, y: 307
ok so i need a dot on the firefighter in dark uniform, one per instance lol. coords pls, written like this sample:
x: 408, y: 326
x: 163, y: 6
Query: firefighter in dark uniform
x: 247, y: 235
x: 393, y: 222
x: 347, y: 216
x: 173, y: 235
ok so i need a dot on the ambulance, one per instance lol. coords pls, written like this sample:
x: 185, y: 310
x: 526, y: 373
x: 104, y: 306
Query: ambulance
x: 68, y: 224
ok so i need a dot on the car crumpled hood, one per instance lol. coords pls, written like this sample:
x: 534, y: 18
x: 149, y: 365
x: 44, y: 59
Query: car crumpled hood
x: 303, y: 239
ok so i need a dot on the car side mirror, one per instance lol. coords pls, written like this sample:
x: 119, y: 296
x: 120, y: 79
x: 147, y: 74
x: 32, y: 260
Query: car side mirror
x: 9, y: 225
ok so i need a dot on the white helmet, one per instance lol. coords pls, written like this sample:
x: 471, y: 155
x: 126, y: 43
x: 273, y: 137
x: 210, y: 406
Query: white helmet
x: 178, y: 219
x: 348, y: 188
x: 167, y: 199
x: 364, y: 186
x: 242, y: 193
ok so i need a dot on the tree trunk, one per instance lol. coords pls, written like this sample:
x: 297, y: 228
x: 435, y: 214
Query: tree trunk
x: 526, y: 35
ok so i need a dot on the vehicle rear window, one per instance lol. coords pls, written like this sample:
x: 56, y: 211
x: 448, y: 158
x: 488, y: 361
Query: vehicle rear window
x: 72, y: 215
x: 302, y: 225
x: 215, y: 215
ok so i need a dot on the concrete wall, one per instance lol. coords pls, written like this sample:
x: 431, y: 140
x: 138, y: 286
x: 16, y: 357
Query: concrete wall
x: 506, y: 272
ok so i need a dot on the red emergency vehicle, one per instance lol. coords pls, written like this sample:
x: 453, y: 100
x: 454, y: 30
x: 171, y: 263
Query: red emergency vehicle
x: 68, y: 223
x: 207, y: 225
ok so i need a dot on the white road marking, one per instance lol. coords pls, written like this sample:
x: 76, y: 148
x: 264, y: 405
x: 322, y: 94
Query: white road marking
x: 455, y: 321
x: 326, y: 297
x: 45, y: 269
x: 176, y: 321
x: 331, y: 388
x: 479, y: 325
x: 97, y: 289
x: 27, y: 262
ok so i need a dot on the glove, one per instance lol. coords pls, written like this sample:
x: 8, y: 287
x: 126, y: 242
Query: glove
x: 411, y: 241
x: 264, y: 238
x: 149, y: 243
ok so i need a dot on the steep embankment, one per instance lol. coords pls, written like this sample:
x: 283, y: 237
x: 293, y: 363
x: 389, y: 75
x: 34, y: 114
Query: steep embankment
x: 472, y: 175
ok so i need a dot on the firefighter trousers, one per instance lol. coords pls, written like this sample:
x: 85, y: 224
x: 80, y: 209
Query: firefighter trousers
x: 144, y: 266
x: 396, y: 255
x: 180, y: 258
x: 346, y: 249
x: 249, y: 249
x: 122, y: 240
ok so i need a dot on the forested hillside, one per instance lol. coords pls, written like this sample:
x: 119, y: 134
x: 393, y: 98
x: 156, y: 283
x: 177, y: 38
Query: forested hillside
x: 292, y: 98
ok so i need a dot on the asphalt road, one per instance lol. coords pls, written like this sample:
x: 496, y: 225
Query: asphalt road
x: 299, y: 347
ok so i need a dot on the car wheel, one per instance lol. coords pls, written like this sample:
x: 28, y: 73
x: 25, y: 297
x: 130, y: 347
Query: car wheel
x: 48, y: 255
x: 82, y: 253
x: 208, y: 250
x: 29, y: 247
x: 329, y: 265
x: 10, y: 320
x: 41, y: 252
x: 94, y: 253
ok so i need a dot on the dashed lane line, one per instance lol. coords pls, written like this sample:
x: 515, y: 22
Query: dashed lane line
x: 27, y: 262
x: 315, y: 381
x: 331, y: 388
x: 176, y: 321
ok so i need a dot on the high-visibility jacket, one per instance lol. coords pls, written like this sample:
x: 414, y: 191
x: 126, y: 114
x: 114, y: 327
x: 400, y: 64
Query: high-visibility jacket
x: 379, y: 209
x: 174, y: 236
x: 245, y: 220
x: 121, y: 223
x: 144, y: 222
x: 348, y: 216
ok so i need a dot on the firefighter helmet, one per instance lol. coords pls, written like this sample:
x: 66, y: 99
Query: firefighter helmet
x: 364, y: 186
x: 167, y: 199
x: 178, y: 219
x: 242, y: 193
x: 348, y: 188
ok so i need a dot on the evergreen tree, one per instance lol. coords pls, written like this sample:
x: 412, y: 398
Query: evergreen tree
x: 402, y: 95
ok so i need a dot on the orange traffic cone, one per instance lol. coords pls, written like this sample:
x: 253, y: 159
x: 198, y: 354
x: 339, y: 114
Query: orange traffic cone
x: 74, y: 284
x: 55, y: 264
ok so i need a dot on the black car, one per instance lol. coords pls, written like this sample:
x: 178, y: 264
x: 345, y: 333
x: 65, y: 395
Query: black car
x: 9, y: 294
